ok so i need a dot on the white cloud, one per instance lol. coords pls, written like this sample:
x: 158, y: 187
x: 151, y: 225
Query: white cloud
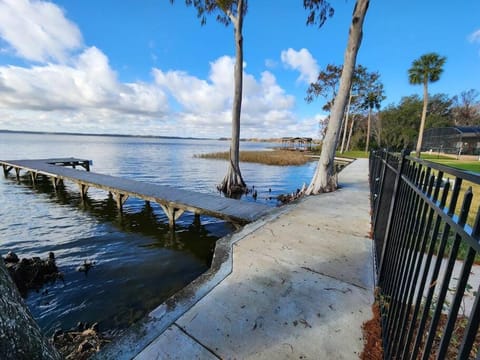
x: 475, y: 36
x: 70, y: 87
x: 302, y: 61
x: 271, y: 64
x: 87, y: 96
x: 206, y: 104
x: 38, y: 30
x: 89, y: 83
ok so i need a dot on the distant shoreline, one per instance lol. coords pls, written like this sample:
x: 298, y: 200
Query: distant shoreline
x: 3, y: 131
x: 99, y: 134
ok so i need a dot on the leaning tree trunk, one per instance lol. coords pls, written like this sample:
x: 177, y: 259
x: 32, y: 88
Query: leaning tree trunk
x: 369, y: 129
x: 233, y: 182
x: 20, y: 336
x: 424, y: 116
x: 325, y: 179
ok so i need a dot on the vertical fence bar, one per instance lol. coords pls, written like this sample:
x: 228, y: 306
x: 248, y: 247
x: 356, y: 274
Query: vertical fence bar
x: 474, y: 319
x: 416, y: 260
x: 431, y: 286
x: 391, y: 214
x: 419, y: 291
x: 406, y: 236
x: 472, y: 329
x: 393, y: 240
x: 448, y: 271
x: 462, y: 283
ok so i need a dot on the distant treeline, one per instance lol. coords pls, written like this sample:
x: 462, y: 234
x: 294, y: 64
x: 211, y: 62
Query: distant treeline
x: 397, y: 125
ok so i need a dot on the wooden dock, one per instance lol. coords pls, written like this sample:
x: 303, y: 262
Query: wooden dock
x: 173, y: 201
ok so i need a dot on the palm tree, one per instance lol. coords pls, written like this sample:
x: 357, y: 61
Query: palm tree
x: 424, y: 70
x: 372, y: 100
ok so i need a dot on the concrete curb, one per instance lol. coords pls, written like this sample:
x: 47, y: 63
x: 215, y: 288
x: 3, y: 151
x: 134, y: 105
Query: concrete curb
x: 140, y: 335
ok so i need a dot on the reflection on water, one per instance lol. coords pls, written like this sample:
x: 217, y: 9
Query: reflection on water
x: 139, y: 262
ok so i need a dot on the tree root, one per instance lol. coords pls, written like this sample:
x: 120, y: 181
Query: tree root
x: 233, y: 184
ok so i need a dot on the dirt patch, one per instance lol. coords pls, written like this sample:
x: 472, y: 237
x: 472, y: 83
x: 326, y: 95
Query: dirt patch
x: 372, y: 335
x: 453, y: 349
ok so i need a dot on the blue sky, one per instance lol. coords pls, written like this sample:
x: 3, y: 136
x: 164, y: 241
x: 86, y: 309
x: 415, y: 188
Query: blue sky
x: 146, y: 67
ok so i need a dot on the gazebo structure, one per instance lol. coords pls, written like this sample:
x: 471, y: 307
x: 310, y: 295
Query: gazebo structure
x: 297, y: 143
x: 453, y: 140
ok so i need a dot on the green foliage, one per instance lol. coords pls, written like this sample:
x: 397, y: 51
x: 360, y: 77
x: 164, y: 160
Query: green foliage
x: 225, y: 9
x: 326, y: 85
x: 319, y: 11
x: 400, y: 122
x: 366, y: 93
x: 426, y: 69
x: 466, y: 110
x: 366, y: 90
x: 439, y: 111
x: 372, y: 94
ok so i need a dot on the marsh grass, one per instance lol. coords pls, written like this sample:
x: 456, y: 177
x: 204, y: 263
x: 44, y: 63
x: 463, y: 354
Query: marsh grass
x: 274, y: 157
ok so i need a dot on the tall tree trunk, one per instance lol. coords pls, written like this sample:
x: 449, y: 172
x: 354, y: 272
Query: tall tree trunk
x: 325, y: 179
x: 233, y: 182
x: 369, y: 129
x: 424, y: 116
x: 345, y: 124
x: 379, y: 129
x: 20, y: 336
x: 350, y: 132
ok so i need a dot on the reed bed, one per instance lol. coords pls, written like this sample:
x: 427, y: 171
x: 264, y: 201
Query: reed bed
x: 274, y: 157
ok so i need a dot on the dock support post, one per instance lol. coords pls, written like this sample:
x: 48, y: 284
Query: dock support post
x: 172, y: 213
x: 120, y: 200
x: 17, y: 173
x: 83, y: 190
x: 196, y: 220
x: 33, y: 176
x: 6, y: 169
x: 56, y: 182
x: 237, y: 226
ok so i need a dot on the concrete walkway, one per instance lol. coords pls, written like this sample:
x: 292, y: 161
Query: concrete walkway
x: 300, y: 288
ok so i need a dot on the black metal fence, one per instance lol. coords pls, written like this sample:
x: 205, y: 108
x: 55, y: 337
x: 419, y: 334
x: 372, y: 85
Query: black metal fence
x: 426, y: 234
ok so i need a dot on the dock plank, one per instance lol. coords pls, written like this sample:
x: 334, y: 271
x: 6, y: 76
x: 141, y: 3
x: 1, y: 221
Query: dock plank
x: 225, y: 208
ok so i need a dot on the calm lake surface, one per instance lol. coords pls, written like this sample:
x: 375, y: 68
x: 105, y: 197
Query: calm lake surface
x: 138, y: 261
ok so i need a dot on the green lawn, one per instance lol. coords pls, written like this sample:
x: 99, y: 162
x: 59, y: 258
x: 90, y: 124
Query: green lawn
x: 354, y: 154
x: 473, y: 166
x: 434, y: 157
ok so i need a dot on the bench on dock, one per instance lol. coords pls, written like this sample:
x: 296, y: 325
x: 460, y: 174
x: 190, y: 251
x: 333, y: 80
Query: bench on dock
x: 173, y: 201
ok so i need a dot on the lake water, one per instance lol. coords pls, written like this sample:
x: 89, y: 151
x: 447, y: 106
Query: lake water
x: 139, y: 262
